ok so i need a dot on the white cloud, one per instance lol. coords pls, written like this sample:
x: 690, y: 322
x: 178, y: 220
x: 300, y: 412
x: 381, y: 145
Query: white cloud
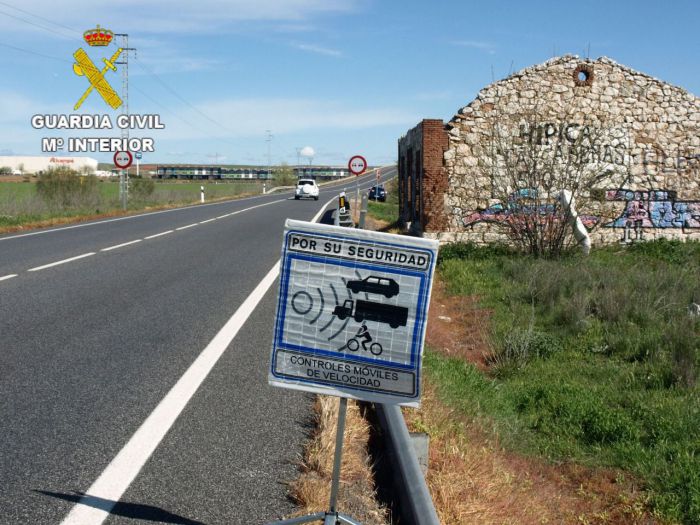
x: 486, y: 47
x: 319, y: 50
x: 251, y: 117
x: 171, y: 16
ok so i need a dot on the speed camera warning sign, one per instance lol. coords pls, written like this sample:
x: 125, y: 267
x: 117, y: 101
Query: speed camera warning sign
x: 352, y: 312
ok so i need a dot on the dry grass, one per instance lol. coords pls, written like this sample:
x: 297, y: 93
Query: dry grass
x: 60, y: 221
x: 474, y: 481
x: 356, y: 495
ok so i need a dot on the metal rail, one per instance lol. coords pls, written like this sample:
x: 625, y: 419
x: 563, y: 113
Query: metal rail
x: 414, y: 501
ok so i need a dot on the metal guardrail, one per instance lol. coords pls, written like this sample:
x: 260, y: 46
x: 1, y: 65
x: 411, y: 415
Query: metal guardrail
x: 414, y: 502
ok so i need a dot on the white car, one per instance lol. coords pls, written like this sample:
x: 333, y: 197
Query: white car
x: 306, y: 188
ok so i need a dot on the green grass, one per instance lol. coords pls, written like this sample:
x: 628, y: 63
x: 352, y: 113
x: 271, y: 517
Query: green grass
x: 595, y: 360
x: 20, y: 204
x: 386, y: 211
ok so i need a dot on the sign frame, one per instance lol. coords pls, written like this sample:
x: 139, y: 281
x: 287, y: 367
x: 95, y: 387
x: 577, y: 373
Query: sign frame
x: 123, y: 166
x: 396, y: 376
x: 352, y: 170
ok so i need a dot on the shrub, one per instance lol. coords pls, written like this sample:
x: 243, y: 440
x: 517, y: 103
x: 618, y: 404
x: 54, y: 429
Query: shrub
x: 64, y: 188
x: 141, y: 189
x: 469, y: 250
x: 521, y: 346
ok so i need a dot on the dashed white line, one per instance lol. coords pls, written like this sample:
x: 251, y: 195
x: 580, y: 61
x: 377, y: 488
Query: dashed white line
x: 208, y: 220
x: 6, y: 277
x: 159, y: 234
x: 185, y: 227
x: 64, y: 261
x: 123, y: 469
x: 223, y: 216
x: 120, y: 245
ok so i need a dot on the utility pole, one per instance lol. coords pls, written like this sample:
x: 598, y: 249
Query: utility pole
x: 124, y: 62
x: 268, y: 139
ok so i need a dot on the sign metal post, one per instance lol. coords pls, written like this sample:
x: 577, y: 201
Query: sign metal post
x: 122, y: 160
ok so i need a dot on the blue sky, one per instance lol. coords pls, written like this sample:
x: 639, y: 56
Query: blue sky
x: 341, y: 76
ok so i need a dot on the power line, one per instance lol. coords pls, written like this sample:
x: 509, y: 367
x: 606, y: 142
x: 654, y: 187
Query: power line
x: 40, y: 17
x: 179, y: 97
x: 35, y: 53
x: 45, y: 28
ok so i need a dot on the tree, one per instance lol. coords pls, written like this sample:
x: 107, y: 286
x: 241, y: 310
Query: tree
x: 284, y: 176
x: 63, y: 188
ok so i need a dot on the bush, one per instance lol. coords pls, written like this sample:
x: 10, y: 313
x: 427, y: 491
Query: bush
x: 521, y: 346
x: 64, y: 188
x: 141, y: 189
x: 469, y: 250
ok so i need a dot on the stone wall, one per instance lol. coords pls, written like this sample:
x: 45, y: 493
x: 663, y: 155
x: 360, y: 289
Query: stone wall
x: 636, y: 138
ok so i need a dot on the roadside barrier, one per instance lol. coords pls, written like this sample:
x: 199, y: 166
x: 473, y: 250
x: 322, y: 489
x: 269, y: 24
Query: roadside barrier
x: 414, y: 504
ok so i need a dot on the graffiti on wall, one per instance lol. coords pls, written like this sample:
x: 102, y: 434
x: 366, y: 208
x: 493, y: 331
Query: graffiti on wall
x: 654, y: 209
x: 520, y: 203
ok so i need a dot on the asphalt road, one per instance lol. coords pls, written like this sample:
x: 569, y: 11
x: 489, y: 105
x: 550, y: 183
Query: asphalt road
x: 98, y: 322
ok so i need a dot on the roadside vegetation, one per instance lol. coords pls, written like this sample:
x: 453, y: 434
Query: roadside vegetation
x: 61, y: 195
x: 572, y: 386
x: 386, y: 211
x: 590, y: 360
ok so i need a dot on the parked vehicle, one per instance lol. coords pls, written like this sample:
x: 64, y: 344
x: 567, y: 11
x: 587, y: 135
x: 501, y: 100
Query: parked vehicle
x: 377, y: 193
x: 306, y: 188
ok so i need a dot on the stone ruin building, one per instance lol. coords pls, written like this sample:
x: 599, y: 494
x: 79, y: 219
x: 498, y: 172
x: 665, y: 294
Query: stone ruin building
x: 628, y: 142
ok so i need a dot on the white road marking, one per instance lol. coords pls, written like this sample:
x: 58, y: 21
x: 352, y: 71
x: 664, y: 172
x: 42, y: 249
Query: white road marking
x: 120, y: 245
x: 126, y: 465
x: 223, y: 216
x: 130, y: 217
x: 208, y: 220
x: 64, y: 261
x: 159, y: 234
x: 185, y: 227
x: 119, y: 474
x: 6, y: 277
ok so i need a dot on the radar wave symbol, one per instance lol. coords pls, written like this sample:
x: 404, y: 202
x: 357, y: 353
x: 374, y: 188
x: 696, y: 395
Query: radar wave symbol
x: 303, y: 304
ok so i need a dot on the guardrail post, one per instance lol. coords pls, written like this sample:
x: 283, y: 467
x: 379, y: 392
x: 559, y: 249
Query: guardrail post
x: 363, y: 211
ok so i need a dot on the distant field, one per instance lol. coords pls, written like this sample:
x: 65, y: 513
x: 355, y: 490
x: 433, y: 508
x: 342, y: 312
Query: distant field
x: 21, y: 205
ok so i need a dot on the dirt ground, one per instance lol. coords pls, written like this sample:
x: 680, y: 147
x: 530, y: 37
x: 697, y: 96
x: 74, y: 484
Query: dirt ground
x: 474, y: 480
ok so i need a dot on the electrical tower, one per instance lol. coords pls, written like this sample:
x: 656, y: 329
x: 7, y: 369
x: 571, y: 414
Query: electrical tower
x: 124, y: 62
x: 268, y: 139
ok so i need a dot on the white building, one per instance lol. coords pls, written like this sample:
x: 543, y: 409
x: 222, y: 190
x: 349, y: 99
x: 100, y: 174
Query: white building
x: 36, y: 164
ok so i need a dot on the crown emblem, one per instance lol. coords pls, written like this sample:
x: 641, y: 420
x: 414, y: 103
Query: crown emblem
x: 98, y: 36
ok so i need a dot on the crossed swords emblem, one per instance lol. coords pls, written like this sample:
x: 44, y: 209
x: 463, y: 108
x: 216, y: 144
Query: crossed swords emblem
x: 83, y: 66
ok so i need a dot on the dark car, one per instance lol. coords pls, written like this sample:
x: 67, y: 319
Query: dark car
x: 377, y: 193
x: 373, y: 284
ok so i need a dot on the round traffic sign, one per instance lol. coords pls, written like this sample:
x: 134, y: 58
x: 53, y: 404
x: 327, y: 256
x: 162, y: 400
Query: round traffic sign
x: 357, y: 165
x: 123, y: 159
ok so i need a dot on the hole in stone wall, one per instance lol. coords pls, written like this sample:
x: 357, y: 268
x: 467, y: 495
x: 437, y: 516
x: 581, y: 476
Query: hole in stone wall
x: 583, y: 75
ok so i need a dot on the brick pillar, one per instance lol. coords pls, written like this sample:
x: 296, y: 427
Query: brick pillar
x: 434, y: 145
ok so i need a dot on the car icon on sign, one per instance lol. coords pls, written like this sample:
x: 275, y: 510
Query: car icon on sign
x: 374, y: 284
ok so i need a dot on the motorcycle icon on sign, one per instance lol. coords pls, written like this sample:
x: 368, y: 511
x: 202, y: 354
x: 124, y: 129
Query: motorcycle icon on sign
x: 363, y: 333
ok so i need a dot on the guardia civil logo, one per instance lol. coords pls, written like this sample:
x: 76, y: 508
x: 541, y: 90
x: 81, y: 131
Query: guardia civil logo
x: 98, y: 37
